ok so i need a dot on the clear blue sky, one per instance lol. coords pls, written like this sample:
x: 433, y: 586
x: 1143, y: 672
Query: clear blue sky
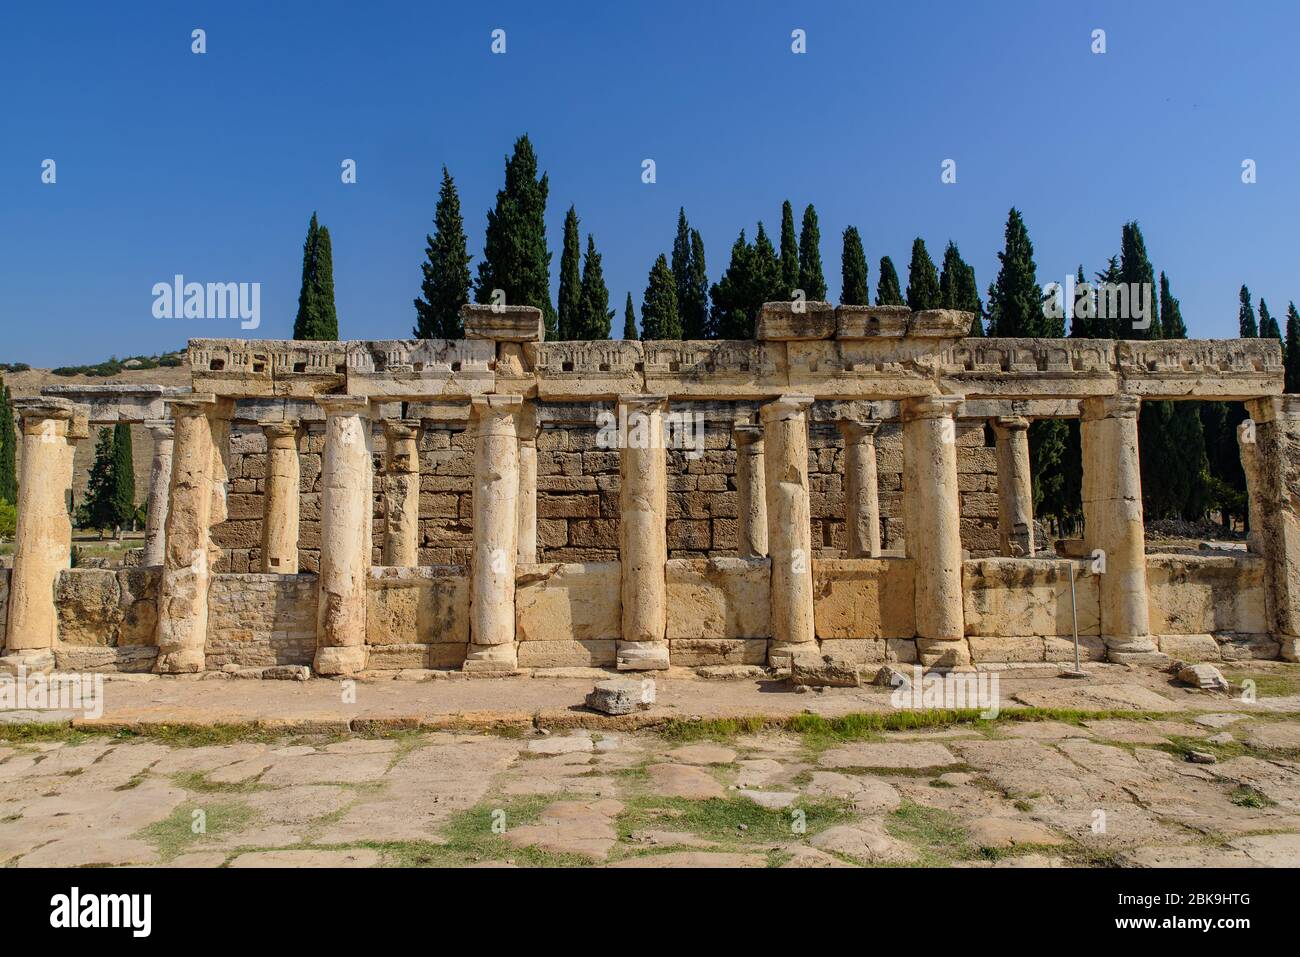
x: 211, y: 165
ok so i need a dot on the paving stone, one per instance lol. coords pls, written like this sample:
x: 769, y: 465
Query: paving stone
x: 1187, y: 855
x: 1142, y: 732
x: 203, y: 760
x: 555, y: 744
x: 1219, y: 720
x: 1001, y: 832
x: 890, y: 755
x: 299, y: 804
x: 198, y: 859
x: 760, y: 772
x: 93, y: 851
x: 868, y: 794
x: 772, y: 800
x: 362, y: 746
x: 694, y: 859
x: 571, y: 827
x: 1044, y: 730
x: 702, y: 754
x: 325, y: 769
x: 656, y: 838
x: 865, y: 840
x: 804, y: 856
x: 683, y: 781
x: 1271, y: 850
x: 1274, y: 734
x: 360, y: 857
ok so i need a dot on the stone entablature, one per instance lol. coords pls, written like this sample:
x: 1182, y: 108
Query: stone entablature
x: 826, y: 405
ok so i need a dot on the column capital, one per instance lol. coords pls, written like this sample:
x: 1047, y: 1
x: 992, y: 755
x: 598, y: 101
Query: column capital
x: 402, y: 428
x: 637, y: 402
x: 1121, y: 405
x: 160, y: 429
x: 930, y: 407
x: 747, y: 436
x: 280, y: 431
x: 1010, y: 423
x: 196, y: 403
x: 42, y: 408
x: 343, y: 404
x: 785, y: 407
x: 858, y: 430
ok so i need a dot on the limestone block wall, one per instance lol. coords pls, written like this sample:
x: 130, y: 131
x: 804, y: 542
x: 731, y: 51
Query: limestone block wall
x: 718, y: 611
x: 567, y: 614
x: 257, y: 620
x: 106, y: 618
x: 865, y: 608
x: 577, y: 496
x: 417, y: 617
x: 1019, y: 610
x: 1210, y: 606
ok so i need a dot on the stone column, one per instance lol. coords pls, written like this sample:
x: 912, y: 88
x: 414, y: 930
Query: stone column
x: 643, y: 533
x: 402, y: 493
x: 160, y: 477
x: 933, y: 531
x: 1015, y: 486
x: 789, y: 532
x: 494, y: 419
x: 1272, y: 478
x: 528, y: 430
x: 197, y: 502
x: 1248, y: 449
x: 280, y: 500
x: 43, y: 540
x: 347, y: 502
x: 1112, y: 518
x: 861, y: 495
x: 751, y: 492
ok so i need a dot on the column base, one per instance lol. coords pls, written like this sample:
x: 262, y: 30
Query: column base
x: 491, y: 659
x: 31, y: 660
x: 182, y: 662
x: 780, y: 654
x: 641, y: 655
x: 1290, y: 647
x: 340, y: 660
x: 943, y: 653
x: 1134, y: 650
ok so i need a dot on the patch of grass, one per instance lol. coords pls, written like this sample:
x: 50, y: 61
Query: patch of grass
x: 1181, y: 746
x: 937, y: 835
x: 175, y: 834
x: 1268, y: 684
x: 198, y: 782
x: 1247, y: 796
x: 715, y: 729
x: 730, y: 820
x: 42, y: 731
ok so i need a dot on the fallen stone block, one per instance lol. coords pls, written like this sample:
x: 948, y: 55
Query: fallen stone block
x: 1203, y: 676
x: 891, y: 677
x: 824, y: 671
x: 622, y: 695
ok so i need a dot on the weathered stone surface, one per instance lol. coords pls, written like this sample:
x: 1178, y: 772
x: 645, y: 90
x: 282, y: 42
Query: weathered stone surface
x: 417, y: 605
x: 1196, y: 595
x: 584, y: 828
x: 683, y: 781
x: 702, y: 754
x: 999, y: 832
x: 718, y: 598
x: 824, y: 671
x: 912, y: 755
x: 865, y: 840
x: 358, y: 857
x: 868, y: 794
x: 864, y: 598
x: 718, y: 652
x: 577, y: 602
x: 622, y: 695
x: 567, y: 654
x: 1203, y: 676
x: 1018, y: 596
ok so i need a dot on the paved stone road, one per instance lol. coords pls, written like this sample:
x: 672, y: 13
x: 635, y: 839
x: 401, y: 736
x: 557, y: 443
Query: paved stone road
x: 1014, y: 793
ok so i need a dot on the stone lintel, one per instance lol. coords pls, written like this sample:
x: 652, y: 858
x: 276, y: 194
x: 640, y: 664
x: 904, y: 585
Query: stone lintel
x: 795, y: 321
x: 503, y: 323
x: 871, y: 322
x: 1121, y: 405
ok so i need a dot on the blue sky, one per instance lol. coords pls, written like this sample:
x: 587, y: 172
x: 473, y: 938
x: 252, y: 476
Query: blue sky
x: 210, y: 166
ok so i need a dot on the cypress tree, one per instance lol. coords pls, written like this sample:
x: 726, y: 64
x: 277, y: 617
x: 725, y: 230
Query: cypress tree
x: 765, y: 280
x: 515, y: 256
x: 968, y: 294
x: 659, y: 318
x: 854, y: 290
x: 446, y: 270
x: 1247, y: 329
x: 1136, y: 272
x: 957, y: 288
x: 789, y: 254
x: 1268, y: 328
x: 1108, y: 326
x: 594, y: 313
x: 1291, y: 354
x: 1015, y: 299
x: 96, y: 510
x: 730, y: 313
x: 922, y: 280
x: 1172, y: 440
x: 700, y: 323
x: 629, y: 320
x: 888, y: 292
x: 123, y: 481
x: 317, y: 318
x: 1171, y: 313
x: 570, y: 308
x: 8, y: 448
x: 811, y: 280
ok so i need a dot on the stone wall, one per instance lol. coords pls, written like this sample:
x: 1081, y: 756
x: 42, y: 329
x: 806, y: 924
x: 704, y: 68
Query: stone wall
x: 107, y: 618
x: 261, y: 620
x: 865, y: 608
x: 1211, y: 606
x: 417, y: 617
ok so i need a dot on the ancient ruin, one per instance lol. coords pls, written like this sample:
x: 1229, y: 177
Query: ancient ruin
x: 854, y: 480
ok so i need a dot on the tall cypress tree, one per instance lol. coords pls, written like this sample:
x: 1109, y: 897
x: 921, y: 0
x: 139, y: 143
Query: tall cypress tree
x: 854, y: 290
x: 317, y: 318
x: 659, y: 318
x: 922, y: 280
x: 8, y: 447
x: 96, y: 510
x: 446, y: 270
x: 1136, y: 272
x: 696, y: 321
x: 1291, y: 354
x: 123, y: 481
x: 629, y: 320
x: 888, y: 292
x: 567, y: 318
x: 515, y: 256
x: 765, y: 281
x: 811, y: 279
x: 1015, y: 299
x: 1246, y: 327
x: 730, y: 311
x: 594, y: 314
x: 789, y: 254
x: 1172, y: 440
x: 957, y: 288
x: 1268, y: 328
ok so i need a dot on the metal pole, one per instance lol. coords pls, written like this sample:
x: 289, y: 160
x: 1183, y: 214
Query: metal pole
x: 1078, y: 671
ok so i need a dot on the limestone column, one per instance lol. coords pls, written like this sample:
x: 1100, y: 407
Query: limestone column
x: 347, y: 497
x: 160, y: 477
x: 494, y: 419
x: 402, y: 493
x: 43, y: 540
x: 643, y: 534
x: 1112, y: 517
x: 751, y: 492
x: 789, y: 532
x: 1271, y: 480
x: 280, y: 499
x: 528, y: 430
x: 861, y: 495
x: 933, y: 529
x: 197, y: 502
x: 1015, y: 486
x: 1248, y: 449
